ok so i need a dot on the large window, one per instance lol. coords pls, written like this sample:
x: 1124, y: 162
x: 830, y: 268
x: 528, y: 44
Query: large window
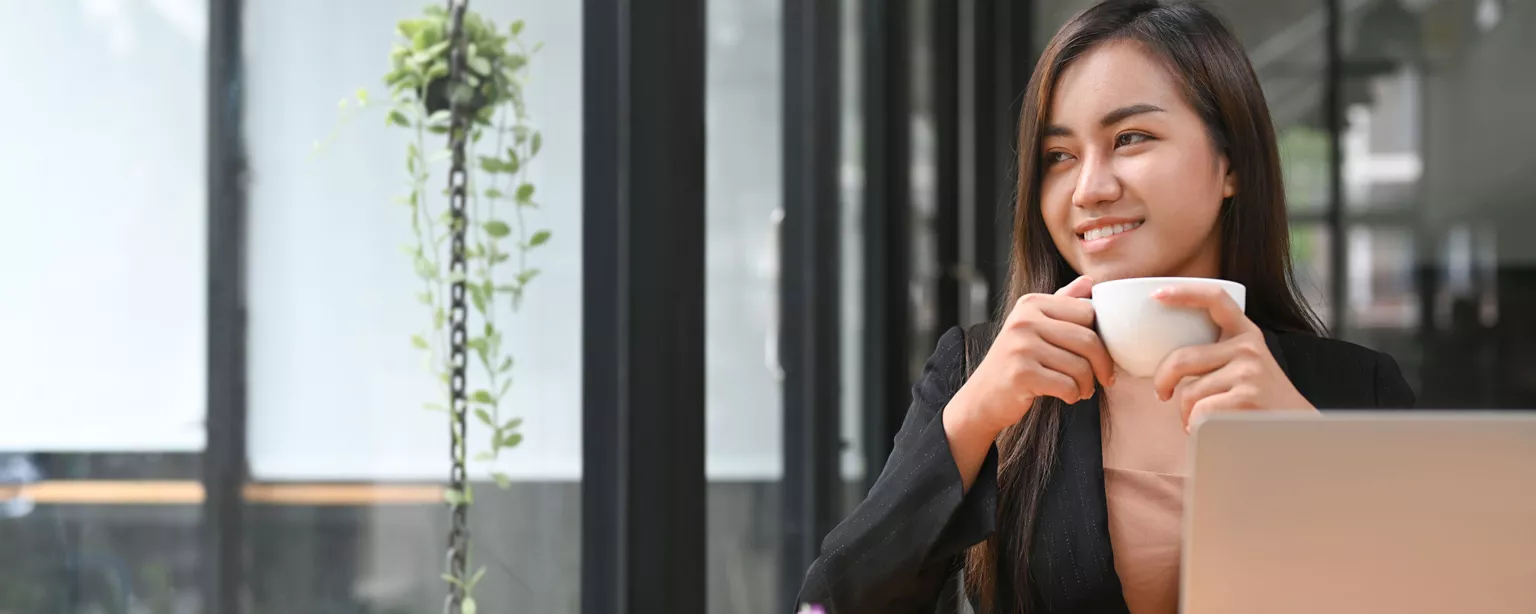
x: 102, y: 316
x: 336, y: 390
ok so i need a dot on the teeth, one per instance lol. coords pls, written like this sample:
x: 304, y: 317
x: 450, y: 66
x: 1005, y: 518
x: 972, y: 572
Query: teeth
x: 1108, y: 231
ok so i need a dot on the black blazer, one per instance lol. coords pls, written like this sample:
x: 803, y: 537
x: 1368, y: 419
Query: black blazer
x: 899, y: 548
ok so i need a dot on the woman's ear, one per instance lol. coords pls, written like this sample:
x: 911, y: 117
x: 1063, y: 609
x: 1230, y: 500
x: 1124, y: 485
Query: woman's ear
x: 1229, y: 183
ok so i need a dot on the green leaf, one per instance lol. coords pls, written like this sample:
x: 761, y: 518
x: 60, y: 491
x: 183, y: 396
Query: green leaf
x: 539, y: 238
x: 478, y: 343
x: 440, y: 118
x: 399, y: 119
x: 497, y: 228
x: 424, y: 269
x: 484, y: 457
x: 475, y: 579
x: 407, y: 28
x: 434, y: 407
x: 538, y: 142
x: 484, y: 416
x: 424, y: 297
x: 502, y: 479
x: 512, y: 424
x: 479, y: 65
x: 469, y: 607
x: 438, y: 318
x: 419, y: 342
x: 476, y: 296
x: 483, y: 396
x: 500, y: 258
x: 525, y: 192
x: 527, y: 276
x: 451, y: 580
x: 493, y: 193
x: 490, y: 165
x: 506, y: 365
x: 517, y: 27
x: 503, y: 392
x: 511, y: 440
x: 513, y: 160
x: 454, y: 497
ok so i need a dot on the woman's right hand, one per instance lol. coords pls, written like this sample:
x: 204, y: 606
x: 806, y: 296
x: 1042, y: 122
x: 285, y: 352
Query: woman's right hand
x: 1046, y: 347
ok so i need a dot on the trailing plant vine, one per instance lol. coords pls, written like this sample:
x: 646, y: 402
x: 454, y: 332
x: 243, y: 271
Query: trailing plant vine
x: 498, y: 237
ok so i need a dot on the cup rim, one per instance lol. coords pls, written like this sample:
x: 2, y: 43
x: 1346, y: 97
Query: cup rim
x: 1171, y: 280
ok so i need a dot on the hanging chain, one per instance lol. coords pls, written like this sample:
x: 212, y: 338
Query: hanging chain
x: 458, y: 532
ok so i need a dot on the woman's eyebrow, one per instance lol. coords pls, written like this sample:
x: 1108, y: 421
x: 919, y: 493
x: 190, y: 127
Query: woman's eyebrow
x: 1111, y: 118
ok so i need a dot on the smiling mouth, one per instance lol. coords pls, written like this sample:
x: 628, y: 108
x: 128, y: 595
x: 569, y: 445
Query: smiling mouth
x: 1105, y: 232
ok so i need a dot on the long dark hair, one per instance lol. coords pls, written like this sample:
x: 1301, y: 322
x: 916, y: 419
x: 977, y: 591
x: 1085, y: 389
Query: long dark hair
x: 1219, y: 82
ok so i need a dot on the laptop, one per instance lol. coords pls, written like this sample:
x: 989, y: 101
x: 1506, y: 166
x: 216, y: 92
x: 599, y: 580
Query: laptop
x: 1361, y: 512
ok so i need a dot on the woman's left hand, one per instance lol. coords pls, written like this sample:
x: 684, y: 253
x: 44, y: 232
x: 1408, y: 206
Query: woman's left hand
x: 1235, y: 373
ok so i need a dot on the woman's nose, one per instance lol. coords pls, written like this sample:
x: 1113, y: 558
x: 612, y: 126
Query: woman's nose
x: 1096, y: 183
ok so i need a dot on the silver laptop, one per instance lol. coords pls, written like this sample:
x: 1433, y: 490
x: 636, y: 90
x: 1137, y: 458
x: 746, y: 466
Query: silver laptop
x: 1400, y: 512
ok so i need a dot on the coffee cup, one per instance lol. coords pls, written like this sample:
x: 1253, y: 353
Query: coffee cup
x: 1140, y: 331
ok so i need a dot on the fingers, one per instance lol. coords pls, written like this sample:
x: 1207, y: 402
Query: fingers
x: 1213, y: 299
x: 1191, y: 361
x: 1049, y: 382
x: 1195, y: 390
x: 1082, y: 287
x: 1067, y: 363
x: 1233, y: 399
x: 1083, y: 342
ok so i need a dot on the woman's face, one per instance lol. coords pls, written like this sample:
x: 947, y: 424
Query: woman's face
x: 1132, y: 183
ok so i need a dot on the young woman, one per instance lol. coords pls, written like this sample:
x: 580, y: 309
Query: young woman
x: 1053, y: 481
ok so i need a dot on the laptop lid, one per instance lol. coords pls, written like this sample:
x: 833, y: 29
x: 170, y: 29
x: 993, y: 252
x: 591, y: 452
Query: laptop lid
x: 1401, y: 512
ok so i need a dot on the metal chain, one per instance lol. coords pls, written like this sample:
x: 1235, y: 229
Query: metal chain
x: 459, y: 124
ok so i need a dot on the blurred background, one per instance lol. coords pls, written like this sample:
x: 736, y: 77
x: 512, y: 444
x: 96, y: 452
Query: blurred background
x: 207, y: 390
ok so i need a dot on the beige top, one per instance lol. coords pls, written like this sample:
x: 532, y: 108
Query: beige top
x: 1144, y: 469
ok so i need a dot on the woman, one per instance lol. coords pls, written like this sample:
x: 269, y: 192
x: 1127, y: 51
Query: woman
x: 1055, y: 483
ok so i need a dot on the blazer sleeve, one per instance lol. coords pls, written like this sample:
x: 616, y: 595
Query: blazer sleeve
x: 1392, y: 390
x: 895, y: 551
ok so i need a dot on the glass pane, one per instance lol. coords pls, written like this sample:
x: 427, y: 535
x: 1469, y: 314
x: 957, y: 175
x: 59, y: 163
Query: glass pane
x: 1461, y: 177
x: 337, y: 392
x: 852, y: 184
x: 1381, y: 287
x: 105, y: 220
x: 743, y: 383
x: 103, y: 317
x: 1383, y: 109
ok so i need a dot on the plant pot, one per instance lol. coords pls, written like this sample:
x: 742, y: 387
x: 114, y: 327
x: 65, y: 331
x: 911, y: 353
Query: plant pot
x: 436, y: 97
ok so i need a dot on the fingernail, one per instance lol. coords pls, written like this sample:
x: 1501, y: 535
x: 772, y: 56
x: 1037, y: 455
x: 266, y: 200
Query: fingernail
x: 1160, y: 293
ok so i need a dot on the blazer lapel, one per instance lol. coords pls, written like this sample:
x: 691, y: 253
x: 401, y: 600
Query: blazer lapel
x: 1070, y: 558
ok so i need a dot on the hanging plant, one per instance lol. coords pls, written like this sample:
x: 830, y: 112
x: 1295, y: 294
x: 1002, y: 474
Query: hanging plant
x: 471, y: 242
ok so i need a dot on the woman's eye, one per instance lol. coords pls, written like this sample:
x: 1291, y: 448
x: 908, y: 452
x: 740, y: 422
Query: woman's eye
x: 1052, y: 157
x: 1130, y: 138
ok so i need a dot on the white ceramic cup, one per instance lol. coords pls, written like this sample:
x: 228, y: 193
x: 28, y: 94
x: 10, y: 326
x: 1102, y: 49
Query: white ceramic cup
x: 1140, y: 331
